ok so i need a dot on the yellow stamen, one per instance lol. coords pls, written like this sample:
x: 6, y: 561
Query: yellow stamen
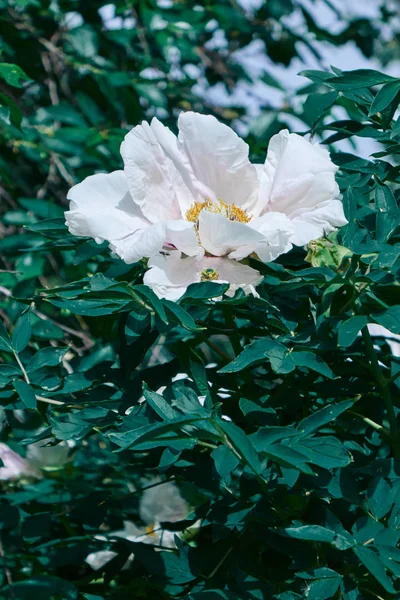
x: 230, y: 211
x: 209, y: 274
x: 150, y: 530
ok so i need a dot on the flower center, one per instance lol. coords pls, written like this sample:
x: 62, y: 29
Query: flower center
x: 230, y: 211
x: 209, y: 274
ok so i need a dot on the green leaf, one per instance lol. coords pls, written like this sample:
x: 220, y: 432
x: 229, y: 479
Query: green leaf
x: 360, y: 78
x: 158, y: 404
x: 13, y: 74
x: 379, y: 497
x: 325, y: 585
x: 303, y: 358
x: 258, y: 352
x: 237, y: 439
x: 386, y: 94
x: 26, y: 394
x: 323, y: 417
x: 349, y: 330
x: 375, y: 566
x: 390, y: 319
x: 388, y: 213
x: 204, y: 291
x: 22, y: 332
x: 5, y: 342
x: 325, y: 451
x: 182, y: 316
x: 45, y: 587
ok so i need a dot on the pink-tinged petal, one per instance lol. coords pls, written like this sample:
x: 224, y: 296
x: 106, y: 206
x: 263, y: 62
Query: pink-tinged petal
x: 299, y: 180
x: 155, y: 184
x: 219, y: 159
x: 14, y: 466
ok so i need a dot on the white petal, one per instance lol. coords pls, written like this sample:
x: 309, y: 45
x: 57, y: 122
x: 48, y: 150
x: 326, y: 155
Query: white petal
x: 182, y: 235
x: 102, y: 208
x: 187, y: 188
x: 98, y: 559
x: 321, y: 221
x: 14, y: 466
x: 151, y: 157
x: 237, y: 275
x: 219, y: 236
x: 299, y: 179
x: 141, y: 243
x: 219, y: 159
x: 277, y: 230
x: 268, y: 236
x: 163, y: 503
x: 170, y: 275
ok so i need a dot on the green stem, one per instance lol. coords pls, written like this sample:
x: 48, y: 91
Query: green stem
x: 230, y: 324
x: 383, y: 385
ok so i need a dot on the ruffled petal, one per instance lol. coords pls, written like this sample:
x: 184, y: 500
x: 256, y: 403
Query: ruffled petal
x: 299, y: 180
x: 102, y: 208
x: 321, y: 221
x: 142, y: 243
x: 219, y: 159
x: 277, y: 230
x: 152, y: 178
x: 188, y: 189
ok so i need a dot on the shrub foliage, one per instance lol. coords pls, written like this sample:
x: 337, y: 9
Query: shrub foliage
x: 282, y: 433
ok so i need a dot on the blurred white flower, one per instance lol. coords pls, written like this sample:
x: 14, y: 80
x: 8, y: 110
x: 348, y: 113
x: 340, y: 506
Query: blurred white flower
x: 158, y: 504
x: 43, y: 455
x: 14, y: 466
x: 198, y: 200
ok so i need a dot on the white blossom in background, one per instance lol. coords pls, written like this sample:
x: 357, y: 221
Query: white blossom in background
x: 14, y: 466
x: 158, y: 504
x: 195, y: 205
x: 392, y: 339
x: 46, y: 456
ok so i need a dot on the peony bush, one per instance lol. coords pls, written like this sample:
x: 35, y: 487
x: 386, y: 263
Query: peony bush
x: 223, y: 421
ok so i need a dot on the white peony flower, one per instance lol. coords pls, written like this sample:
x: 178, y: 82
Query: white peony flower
x: 197, y: 198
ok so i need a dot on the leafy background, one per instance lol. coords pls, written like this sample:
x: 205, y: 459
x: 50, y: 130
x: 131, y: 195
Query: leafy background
x: 291, y: 461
